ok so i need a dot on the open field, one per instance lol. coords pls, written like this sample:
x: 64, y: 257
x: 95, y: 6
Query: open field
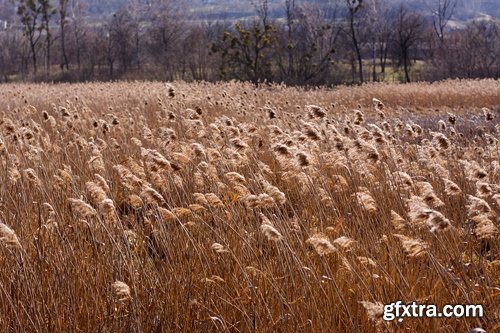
x: 146, y: 207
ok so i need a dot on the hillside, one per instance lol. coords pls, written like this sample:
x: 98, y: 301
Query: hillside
x: 238, y: 9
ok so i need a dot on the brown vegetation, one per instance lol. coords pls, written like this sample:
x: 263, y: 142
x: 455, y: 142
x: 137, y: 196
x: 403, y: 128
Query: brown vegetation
x: 141, y: 207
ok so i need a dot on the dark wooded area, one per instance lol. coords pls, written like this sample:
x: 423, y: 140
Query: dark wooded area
x: 295, y: 42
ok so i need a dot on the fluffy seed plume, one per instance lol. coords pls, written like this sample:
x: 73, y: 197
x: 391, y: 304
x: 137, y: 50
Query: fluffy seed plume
x: 375, y: 311
x: 235, y: 178
x: 9, y: 237
x: 488, y: 115
x: 477, y: 206
x: 484, y: 227
x: 275, y: 193
x: 219, y: 248
x: 437, y: 221
x: 344, y: 242
x: 366, y: 201
x: 321, y: 244
x: 426, y: 192
x: 483, y: 189
x: 441, y: 141
x: 83, y: 209
x: 316, y: 111
x: 451, y: 189
x: 420, y: 214
x: 270, y: 232
x: 452, y: 118
x: 377, y: 104
x: 108, y: 211
x: 32, y: 177
x: 302, y: 159
x: 402, y: 178
x: 151, y: 196
x: 397, y: 221
x: 413, y: 247
x: 135, y: 201
x: 442, y: 125
x: 213, y: 200
x: 96, y: 192
x: 121, y: 290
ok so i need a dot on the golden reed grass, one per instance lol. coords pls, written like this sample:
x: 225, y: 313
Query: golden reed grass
x: 145, y: 207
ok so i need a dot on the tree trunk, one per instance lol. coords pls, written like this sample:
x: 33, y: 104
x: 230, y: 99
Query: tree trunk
x: 47, y: 65
x: 356, y: 47
x: 374, y: 63
x: 406, y: 66
x: 33, y: 56
x: 63, y: 48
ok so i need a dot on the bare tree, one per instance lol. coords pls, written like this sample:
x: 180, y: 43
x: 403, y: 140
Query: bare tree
x: 409, y: 27
x: 30, y: 12
x: 47, y: 11
x: 77, y: 11
x: 378, y: 31
x: 11, y: 53
x: 122, y: 38
x: 63, y: 7
x: 165, y: 34
x: 353, y: 9
x: 291, y: 13
x: 442, y: 11
x: 246, y: 51
x: 317, y: 37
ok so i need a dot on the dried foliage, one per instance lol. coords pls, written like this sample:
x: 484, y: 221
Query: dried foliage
x: 240, y: 208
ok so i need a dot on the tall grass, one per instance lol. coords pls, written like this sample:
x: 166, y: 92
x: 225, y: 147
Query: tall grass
x: 140, y: 207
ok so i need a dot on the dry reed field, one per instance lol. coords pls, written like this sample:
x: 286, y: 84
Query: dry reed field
x: 153, y: 207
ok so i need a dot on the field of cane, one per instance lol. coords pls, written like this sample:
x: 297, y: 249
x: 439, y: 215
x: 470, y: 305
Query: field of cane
x: 147, y: 207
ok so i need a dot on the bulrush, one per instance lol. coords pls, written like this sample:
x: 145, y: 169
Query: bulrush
x: 438, y: 222
x: 107, y: 208
x: 303, y: 159
x: 496, y: 199
x: 213, y: 200
x: 311, y: 132
x: 402, y: 178
x: 225, y: 207
x: 377, y: 104
x: 442, y: 125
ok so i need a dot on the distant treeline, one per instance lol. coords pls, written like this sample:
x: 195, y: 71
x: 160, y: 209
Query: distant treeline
x: 312, y: 44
